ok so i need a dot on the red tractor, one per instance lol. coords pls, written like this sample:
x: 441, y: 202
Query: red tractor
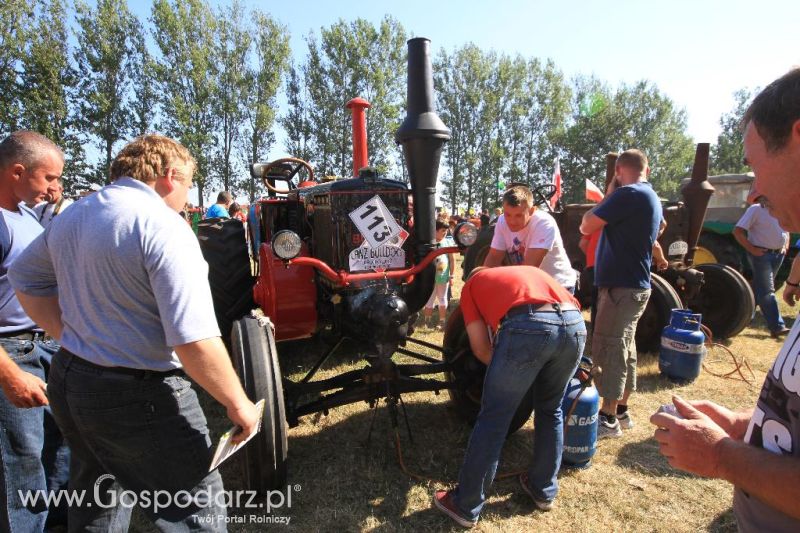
x: 346, y: 260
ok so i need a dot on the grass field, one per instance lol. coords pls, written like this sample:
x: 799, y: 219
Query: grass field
x: 342, y: 482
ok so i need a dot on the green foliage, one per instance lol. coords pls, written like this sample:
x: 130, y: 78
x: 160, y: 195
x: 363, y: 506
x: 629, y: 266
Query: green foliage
x: 349, y: 60
x: 143, y: 104
x: 188, y: 77
x: 231, y: 43
x: 505, y: 115
x: 637, y: 116
x: 49, y: 81
x: 107, y: 37
x: 727, y: 155
x: 269, y: 60
x: 15, y: 29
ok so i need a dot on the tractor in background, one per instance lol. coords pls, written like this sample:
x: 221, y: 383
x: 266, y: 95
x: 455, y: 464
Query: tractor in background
x: 344, y: 263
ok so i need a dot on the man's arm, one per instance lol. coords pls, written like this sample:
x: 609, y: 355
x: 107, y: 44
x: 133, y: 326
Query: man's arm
x: 698, y: 445
x: 21, y: 388
x: 591, y: 222
x: 43, y: 310
x: 494, y: 258
x: 741, y: 237
x: 479, y: 341
x: 534, y: 256
x: 207, y: 363
x: 791, y: 292
x: 658, y: 257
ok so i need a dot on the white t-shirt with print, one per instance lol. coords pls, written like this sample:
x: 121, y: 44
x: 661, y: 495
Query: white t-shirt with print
x: 542, y: 233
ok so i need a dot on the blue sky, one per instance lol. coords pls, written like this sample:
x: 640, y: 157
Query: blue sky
x: 697, y: 52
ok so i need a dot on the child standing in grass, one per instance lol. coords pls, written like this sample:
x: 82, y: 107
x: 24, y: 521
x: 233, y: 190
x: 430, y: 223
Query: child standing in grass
x: 444, y: 276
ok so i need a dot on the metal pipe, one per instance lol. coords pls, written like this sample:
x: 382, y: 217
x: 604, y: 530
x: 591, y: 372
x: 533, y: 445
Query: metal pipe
x: 696, y: 195
x: 360, y: 154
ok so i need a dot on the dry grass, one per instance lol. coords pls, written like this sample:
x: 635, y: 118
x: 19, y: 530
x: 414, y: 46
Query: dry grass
x: 349, y: 484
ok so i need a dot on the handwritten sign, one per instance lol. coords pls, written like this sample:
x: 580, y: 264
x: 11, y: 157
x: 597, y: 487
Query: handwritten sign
x: 375, y: 222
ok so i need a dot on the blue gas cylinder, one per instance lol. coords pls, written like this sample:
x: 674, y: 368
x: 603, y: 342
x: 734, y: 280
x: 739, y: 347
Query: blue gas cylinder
x: 580, y: 427
x: 682, y: 347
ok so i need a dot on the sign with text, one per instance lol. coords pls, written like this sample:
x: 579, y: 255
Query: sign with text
x: 365, y: 257
x: 375, y: 222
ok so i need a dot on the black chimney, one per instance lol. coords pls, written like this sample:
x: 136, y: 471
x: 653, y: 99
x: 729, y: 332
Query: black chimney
x: 422, y: 135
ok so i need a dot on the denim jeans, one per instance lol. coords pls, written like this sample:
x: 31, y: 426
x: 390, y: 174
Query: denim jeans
x: 132, y: 436
x: 764, y: 269
x: 539, y: 349
x: 33, y: 454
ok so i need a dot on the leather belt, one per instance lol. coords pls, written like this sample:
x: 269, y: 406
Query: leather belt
x: 771, y: 250
x: 24, y: 335
x: 525, y: 309
x: 138, y: 373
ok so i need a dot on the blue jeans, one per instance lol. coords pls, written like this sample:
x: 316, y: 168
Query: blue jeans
x: 133, y: 437
x: 764, y: 269
x: 539, y: 349
x: 33, y: 454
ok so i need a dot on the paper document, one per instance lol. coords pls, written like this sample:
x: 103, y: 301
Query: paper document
x: 226, y: 448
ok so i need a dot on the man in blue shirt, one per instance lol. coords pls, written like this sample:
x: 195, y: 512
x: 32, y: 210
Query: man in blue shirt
x: 220, y: 209
x: 33, y: 456
x: 630, y: 217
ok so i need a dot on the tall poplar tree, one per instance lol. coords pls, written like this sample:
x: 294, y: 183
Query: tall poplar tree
x: 105, y: 58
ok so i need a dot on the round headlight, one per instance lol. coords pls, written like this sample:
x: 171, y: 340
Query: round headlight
x: 286, y: 244
x: 466, y: 234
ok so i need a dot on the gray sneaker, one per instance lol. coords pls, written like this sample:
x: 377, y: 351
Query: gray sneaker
x: 607, y: 430
x: 625, y: 420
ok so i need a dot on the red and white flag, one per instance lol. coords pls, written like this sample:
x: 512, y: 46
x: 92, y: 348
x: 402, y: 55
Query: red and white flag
x: 557, y: 183
x: 593, y: 192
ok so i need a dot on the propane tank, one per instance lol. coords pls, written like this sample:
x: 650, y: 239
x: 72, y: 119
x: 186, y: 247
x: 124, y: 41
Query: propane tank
x: 580, y: 426
x: 682, y: 347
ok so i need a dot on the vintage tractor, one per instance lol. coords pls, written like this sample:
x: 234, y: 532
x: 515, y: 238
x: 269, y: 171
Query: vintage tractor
x: 717, y: 291
x: 346, y: 263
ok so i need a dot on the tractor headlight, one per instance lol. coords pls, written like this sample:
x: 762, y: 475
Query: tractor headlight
x: 286, y: 244
x: 466, y: 234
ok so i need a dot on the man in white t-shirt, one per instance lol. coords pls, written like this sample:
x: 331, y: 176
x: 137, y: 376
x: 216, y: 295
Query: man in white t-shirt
x: 765, y: 242
x: 54, y: 204
x: 529, y: 236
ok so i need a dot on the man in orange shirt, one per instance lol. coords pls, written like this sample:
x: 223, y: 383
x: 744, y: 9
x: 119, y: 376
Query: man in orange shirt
x: 529, y: 331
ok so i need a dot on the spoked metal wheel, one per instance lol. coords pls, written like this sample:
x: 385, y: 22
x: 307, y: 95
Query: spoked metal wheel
x: 255, y: 359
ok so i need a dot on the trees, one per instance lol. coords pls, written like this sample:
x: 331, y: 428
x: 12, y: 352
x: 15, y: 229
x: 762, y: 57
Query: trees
x: 636, y: 116
x: 727, y: 156
x: 15, y: 21
x: 187, y: 77
x: 348, y: 60
x: 107, y: 38
x: 48, y: 82
x: 269, y: 62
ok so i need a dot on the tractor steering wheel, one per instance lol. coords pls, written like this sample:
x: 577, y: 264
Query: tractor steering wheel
x: 298, y: 164
x: 543, y: 193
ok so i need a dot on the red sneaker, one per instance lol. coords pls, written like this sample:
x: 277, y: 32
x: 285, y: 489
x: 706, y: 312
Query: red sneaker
x: 443, y: 500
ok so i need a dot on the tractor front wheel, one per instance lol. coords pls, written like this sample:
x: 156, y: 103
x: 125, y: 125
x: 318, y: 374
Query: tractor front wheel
x: 663, y: 299
x: 255, y: 358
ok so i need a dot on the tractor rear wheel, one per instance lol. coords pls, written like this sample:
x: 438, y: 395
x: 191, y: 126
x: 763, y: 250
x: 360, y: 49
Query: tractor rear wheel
x: 255, y: 358
x: 224, y: 247
x: 725, y: 300
x: 470, y: 371
x: 715, y: 248
x: 663, y: 299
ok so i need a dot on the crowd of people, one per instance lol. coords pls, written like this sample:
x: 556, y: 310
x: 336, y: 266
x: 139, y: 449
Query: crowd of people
x: 106, y: 312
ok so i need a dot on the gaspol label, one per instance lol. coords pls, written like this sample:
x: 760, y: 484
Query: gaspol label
x: 682, y: 347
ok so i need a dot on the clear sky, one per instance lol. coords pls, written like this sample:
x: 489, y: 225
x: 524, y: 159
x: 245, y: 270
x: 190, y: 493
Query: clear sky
x: 696, y: 52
